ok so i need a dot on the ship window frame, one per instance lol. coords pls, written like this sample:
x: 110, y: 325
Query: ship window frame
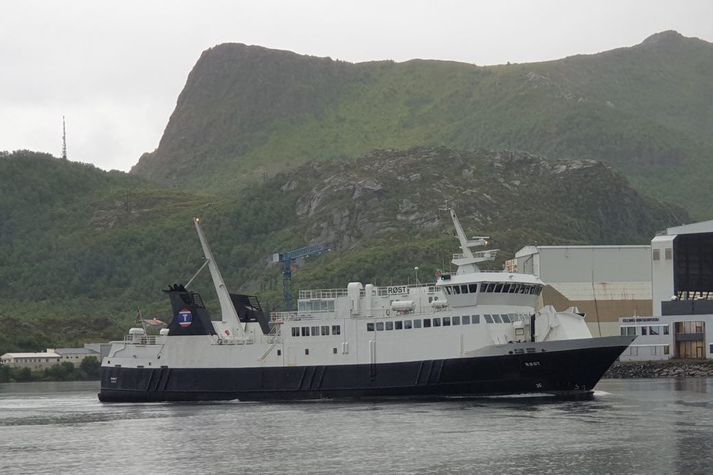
x: 324, y: 330
x: 498, y: 288
x: 505, y: 317
x: 295, y: 331
x: 370, y: 327
x: 436, y: 321
x: 314, y: 331
x: 408, y: 325
x: 446, y: 321
x: 417, y: 323
x: 456, y: 320
x: 305, y: 331
x: 473, y: 288
x: 380, y: 326
x: 426, y: 323
x: 475, y: 319
x: 488, y: 318
x: 464, y: 288
x: 336, y: 330
x: 466, y: 317
x: 389, y: 326
x: 456, y: 289
x: 448, y: 289
x: 398, y: 325
x: 496, y: 318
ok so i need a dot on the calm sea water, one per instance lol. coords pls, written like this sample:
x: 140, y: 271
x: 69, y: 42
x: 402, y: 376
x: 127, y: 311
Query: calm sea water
x: 631, y: 426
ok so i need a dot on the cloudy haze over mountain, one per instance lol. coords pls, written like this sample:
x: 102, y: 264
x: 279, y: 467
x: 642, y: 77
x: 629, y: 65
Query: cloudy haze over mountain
x: 115, y: 69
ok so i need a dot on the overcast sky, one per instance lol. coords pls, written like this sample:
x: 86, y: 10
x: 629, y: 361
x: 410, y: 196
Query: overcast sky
x: 115, y: 69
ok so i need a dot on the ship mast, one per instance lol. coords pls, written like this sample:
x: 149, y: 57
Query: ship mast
x: 228, y: 314
x: 467, y: 261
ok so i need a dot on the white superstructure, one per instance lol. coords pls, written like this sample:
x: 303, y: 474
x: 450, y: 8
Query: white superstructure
x: 465, y: 314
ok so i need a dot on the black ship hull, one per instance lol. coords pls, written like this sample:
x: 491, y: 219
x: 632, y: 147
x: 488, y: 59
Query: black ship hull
x: 567, y: 373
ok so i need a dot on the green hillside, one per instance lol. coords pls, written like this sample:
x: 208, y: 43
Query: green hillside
x: 248, y: 112
x: 81, y: 249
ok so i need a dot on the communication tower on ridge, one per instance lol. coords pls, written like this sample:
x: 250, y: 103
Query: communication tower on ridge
x: 64, y: 140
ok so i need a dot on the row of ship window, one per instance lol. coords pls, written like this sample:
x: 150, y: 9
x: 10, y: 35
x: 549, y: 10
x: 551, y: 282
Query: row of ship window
x: 316, y: 331
x: 445, y: 321
x: 493, y: 287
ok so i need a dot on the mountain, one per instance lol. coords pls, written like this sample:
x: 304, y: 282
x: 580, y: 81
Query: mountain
x: 248, y: 112
x: 81, y: 249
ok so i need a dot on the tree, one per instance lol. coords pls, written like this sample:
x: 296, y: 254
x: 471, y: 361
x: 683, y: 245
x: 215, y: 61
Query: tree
x: 90, y: 367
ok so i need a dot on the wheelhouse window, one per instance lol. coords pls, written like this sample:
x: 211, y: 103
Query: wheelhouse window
x: 488, y: 318
x: 446, y: 321
x: 380, y: 326
x: 426, y: 322
x: 305, y: 331
x: 325, y: 330
x: 407, y: 324
x: 399, y: 325
x: 464, y: 289
x: 496, y: 318
x: 370, y: 327
x: 436, y: 322
x: 336, y: 329
x: 295, y: 331
x: 448, y: 289
x: 315, y: 331
x: 389, y: 325
x: 456, y: 289
x: 506, y: 318
x: 473, y: 288
x: 456, y: 320
x: 466, y: 319
x: 417, y: 323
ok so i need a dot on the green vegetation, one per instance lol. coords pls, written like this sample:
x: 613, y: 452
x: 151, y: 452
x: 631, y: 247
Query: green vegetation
x: 88, y: 370
x: 247, y: 112
x: 81, y: 248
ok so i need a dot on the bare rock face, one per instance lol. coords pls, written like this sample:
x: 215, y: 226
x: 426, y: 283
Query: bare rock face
x: 399, y: 193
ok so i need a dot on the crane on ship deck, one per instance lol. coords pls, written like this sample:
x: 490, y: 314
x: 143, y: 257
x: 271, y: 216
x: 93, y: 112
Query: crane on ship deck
x: 287, y: 259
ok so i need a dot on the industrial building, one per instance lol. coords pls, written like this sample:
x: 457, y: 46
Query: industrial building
x: 663, y: 292
x: 605, y: 282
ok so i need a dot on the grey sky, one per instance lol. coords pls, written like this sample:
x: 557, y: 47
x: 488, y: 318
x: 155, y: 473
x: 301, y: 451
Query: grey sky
x: 115, y: 69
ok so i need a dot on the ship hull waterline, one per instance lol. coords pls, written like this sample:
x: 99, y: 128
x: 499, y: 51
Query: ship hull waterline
x: 568, y: 374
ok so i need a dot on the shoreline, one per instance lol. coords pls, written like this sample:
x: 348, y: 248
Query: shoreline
x: 660, y: 369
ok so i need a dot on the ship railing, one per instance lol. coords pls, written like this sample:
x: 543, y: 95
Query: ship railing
x: 489, y: 254
x: 141, y: 340
x: 322, y: 293
x: 248, y: 340
x: 278, y: 318
x: 401, y: 289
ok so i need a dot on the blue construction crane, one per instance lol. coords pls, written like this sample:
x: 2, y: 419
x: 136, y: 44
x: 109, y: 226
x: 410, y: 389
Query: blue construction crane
x: 286, y: 259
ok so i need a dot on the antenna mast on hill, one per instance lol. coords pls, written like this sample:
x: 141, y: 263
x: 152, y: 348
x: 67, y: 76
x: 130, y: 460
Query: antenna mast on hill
x: 64, y: 140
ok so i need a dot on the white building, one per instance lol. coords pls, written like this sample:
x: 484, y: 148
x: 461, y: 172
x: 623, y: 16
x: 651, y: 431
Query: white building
x: 682, y: 288
x: 34, y: 361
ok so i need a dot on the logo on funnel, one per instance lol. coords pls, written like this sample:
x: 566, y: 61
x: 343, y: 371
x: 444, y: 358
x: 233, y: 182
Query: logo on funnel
x: 185, y: 317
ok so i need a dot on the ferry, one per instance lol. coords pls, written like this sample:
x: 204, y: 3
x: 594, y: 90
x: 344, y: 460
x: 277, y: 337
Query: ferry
x: 471, y: 333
